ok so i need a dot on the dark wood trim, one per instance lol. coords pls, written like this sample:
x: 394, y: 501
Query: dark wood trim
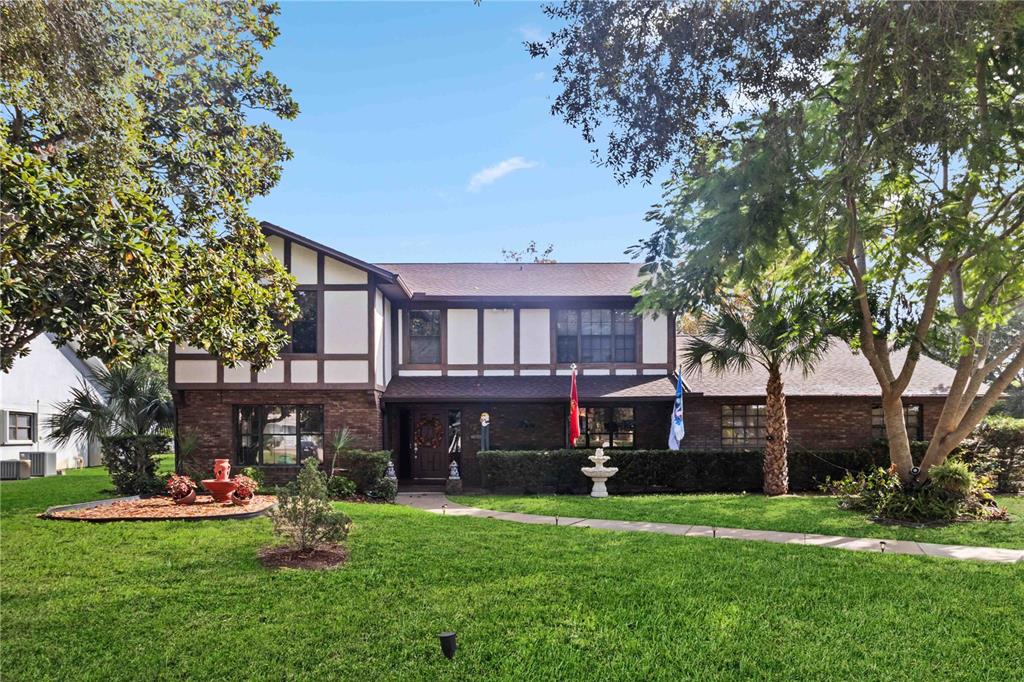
x: 672, y: 343
x: 288, y: 254
x: 342, y: 287
x: 371, y: 323
x: 444, y: 341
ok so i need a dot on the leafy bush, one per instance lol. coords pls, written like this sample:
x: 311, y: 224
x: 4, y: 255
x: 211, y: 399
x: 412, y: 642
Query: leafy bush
x: 385, y: 491
x: 366, y: 468
x: 131, y: 461
x: 304, y: 515
x: 341, y: 488
x: 996, y: 450
x: 558, y: 471
x: 245, y: 487
x: 255, y: 473
x: 952, y: 493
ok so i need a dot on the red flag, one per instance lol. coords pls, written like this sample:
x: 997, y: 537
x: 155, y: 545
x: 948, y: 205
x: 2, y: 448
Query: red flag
x: 574, y: 412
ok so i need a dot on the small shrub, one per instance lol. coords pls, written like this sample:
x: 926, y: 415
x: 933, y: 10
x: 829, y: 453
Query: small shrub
x: 996, y: 449
x: 385, y: 491
x: 180, y: 486
x: 951, y: 494
x: 255, y: 473
x: 366, y: 468
x: 304, y: 515
x: 188, y: 462
x: 131, y: 461
x: 245, y: 487
x: 341, y: 488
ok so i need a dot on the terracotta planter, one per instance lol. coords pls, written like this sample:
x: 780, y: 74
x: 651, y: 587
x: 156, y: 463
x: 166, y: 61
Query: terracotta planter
x: 240, y: 501
x: 188, y: 499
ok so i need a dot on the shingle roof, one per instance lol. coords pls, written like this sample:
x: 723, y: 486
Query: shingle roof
x: 528, y: 388
x: 517, y: 279
x: 842, y: 372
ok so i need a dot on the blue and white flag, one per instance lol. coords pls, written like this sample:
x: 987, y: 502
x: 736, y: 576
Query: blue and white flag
x: 677, y: 430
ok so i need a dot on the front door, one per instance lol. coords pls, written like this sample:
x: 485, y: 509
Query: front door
x: 429, y: 449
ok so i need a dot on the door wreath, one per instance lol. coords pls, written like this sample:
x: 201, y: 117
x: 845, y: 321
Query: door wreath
x: 428, y: 433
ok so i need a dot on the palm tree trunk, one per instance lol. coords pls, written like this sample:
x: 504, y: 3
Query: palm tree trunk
x: 776, y: 468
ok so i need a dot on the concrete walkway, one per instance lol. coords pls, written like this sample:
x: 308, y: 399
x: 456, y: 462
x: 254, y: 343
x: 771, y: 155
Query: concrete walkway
x: 437, y: 503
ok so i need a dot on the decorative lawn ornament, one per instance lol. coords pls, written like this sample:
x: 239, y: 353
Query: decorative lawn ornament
x: 245, y: 490
x: 599, y: 473
x: 220, y: 486
x: 182, y: 489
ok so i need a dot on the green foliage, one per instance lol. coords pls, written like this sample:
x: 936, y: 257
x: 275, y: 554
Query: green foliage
x: 640, y: 471
x: 341, y: 488
x: 952, y: 494
x: 996, y: 450
x: 255, y: 473
x: 304, y: 515
x: 339, y: 442
x: 134, y: 402
x: 131, y: 462
x: 129, y: 160
x: 385, y: 491
x: 365, y: 467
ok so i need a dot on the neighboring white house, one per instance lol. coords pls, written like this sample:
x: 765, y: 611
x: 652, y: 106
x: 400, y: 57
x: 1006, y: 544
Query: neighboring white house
x: 28, y: 394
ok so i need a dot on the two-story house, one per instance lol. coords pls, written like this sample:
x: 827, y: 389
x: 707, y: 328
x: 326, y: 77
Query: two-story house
x: 410, y: 356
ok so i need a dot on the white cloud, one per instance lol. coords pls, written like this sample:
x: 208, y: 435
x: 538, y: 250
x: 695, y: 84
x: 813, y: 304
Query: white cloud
x: 532, y: 34
x: 496, y: 172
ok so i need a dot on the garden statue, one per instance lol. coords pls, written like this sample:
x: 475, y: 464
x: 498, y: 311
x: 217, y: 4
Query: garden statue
x: 599, y: 473
x: 453, y: 486
x: 220, y: 486
x: 389, y: 473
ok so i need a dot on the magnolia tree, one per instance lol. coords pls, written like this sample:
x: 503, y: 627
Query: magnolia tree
x: 888, y: 171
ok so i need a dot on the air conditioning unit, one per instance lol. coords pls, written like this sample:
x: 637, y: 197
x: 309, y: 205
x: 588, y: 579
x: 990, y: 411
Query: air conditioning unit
x: 43, y: 463
x: 15, y: 469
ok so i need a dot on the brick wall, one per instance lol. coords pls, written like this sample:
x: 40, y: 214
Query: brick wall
x: 209, y: 414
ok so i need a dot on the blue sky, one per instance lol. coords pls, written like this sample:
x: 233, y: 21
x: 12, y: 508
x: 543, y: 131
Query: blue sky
x: 426, y: 135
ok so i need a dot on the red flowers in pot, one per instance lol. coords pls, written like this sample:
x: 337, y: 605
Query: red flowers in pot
x: 182, y: 489
x: 245, y: 489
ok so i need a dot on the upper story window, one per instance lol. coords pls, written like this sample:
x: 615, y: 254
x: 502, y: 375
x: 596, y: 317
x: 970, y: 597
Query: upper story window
x: 597, y: 335
x: 743, y: 426
x: 21, y: 426
x: 304, y: 328
x: 425, y: 337
x: 913, y: 416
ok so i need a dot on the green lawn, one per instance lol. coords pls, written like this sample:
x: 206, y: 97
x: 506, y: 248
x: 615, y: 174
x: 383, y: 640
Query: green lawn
x: 794, y: 513
x: 178, y: 600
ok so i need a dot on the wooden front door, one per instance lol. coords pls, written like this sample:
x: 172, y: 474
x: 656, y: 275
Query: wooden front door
x: 429, y: 446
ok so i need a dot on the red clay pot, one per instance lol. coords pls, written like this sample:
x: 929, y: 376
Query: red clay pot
x: 240, y: 501
x: 188, y: 499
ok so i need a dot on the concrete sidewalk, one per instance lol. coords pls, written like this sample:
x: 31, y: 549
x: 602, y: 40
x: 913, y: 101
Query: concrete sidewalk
x: 437, y: 503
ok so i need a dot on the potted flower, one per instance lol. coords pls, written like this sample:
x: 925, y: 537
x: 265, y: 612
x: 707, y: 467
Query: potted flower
x: 182, y: 489
x: 245, y: 489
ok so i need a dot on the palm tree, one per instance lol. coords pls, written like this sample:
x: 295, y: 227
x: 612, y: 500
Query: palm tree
x: 774, y: 330
x: 137, y: 403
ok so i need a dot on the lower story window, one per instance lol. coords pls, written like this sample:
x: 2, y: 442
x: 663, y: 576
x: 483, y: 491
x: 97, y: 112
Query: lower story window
x: 743, y: 426
x: 913, y: 417
x: 21, y: 426
x: 454, y: 430
x: 606, y: 425
x: 279, y: 434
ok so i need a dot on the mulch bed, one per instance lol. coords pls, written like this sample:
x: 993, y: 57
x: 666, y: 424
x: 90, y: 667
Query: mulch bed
x: 324, y: 557
x: 163, y: 508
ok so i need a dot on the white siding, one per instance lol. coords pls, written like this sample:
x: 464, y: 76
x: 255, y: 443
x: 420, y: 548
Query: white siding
x: 462, y: 372
x: 273, y: 374
x: 535, y: 372
x: 387, y: 342
x: 345, y: 322
x: 499, y: 372
x: 401, y: 342
x: 276, y: 245
x: 534, y: 336
x: 378, y: 339
x: 336, y: 272
x: 419, y: 373
x: 655, y: 351
x: 499, y: 337
x: 240, y: 374
x: 304, y: 264
x: 346, y: 372
x: 462, y: 338
x: 195, y: 371
x: 303, y: 372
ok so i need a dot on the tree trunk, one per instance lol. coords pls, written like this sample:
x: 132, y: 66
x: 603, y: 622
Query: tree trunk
x: 896, y: 434
x: 776, y: 468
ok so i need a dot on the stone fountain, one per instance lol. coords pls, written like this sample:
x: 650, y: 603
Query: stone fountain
x: 221, y: 485
x: 599, y: 473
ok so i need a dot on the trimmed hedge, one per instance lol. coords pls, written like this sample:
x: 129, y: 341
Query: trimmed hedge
x: 364, y: 467
x: 131, y: 461
x: 650, y: 471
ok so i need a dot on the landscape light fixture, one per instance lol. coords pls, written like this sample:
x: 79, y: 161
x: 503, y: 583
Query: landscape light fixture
x: 881, y: 543
x: 447, y: 644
